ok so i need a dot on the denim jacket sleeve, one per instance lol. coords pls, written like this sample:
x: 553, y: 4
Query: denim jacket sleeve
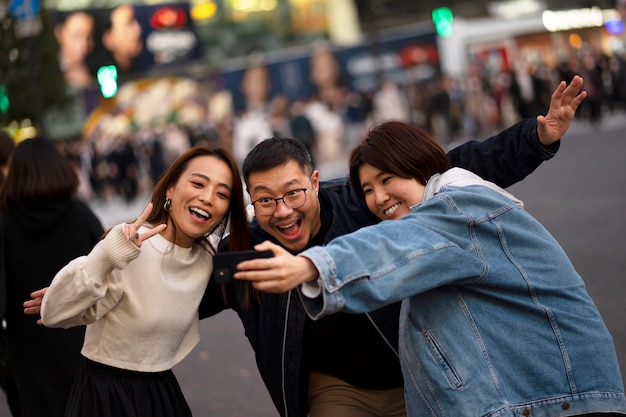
x: 403, y: 259
x: 507, y: 157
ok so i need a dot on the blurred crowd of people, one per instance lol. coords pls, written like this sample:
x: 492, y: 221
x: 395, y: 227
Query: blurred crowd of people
x: 333, y: 121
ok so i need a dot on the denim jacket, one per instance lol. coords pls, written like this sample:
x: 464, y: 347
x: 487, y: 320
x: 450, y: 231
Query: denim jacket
x: 275, y: 326
x: 495, y: 320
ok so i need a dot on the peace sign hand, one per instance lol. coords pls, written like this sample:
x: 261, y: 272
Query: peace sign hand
x: 131, y: 231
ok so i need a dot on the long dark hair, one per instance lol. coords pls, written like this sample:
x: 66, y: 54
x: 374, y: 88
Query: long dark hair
x: 37, y: 170
x: 240, y: 236
x: 398, y: 148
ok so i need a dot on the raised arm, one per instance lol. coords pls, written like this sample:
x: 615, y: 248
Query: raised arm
x: 514, y: 153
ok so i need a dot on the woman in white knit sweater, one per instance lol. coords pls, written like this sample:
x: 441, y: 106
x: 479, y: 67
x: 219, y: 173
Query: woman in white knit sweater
x: 138, y: 290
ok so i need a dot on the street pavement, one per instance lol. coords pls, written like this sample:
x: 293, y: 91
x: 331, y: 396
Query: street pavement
x: 580, y: 197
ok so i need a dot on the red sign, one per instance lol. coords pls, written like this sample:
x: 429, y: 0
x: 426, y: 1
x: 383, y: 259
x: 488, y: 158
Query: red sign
x: 168, y: 18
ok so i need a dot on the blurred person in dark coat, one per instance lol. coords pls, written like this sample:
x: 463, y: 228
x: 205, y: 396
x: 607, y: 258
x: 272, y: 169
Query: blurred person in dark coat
x: 42, y: 227
x: 7, y: 145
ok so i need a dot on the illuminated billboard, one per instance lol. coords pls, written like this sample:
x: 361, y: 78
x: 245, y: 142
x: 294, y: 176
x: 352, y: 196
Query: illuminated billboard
x: 133, y: 38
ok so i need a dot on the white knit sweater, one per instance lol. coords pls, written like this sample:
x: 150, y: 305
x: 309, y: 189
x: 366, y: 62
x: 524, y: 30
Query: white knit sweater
x: 140, y: 305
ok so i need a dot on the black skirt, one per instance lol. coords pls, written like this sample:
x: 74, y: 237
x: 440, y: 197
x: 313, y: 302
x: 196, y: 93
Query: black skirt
x: 105, y: 391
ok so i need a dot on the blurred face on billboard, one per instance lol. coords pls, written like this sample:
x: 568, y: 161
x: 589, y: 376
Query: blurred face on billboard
x: 123, y: 39
x: 75, y: 37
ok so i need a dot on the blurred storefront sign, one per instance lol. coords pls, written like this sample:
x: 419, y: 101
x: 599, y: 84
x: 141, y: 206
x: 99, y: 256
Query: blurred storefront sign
x: 26, y: 15
x: 24, y: 9
x: 588, y: 17
x: 515, y: 8
x: 171, y: 37
x: 541, y: 39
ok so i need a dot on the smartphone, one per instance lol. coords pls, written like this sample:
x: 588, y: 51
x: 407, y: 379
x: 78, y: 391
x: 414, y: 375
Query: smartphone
x: 225, y: 263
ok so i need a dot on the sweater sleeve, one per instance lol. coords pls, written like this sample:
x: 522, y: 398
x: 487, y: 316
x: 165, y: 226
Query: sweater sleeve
x: 89, y: 286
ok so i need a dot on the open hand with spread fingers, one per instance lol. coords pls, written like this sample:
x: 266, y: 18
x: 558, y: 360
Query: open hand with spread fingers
x: 563, y: 104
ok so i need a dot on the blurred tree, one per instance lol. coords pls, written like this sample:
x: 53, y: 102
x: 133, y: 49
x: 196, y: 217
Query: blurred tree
x: 29, y: 68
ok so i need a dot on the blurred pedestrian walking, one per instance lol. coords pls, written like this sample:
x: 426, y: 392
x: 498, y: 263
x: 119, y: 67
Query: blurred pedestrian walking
x: 42, y: 227
x: 7, y: 145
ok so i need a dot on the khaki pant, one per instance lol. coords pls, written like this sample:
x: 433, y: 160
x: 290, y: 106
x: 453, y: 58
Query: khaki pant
x: 332, y: 397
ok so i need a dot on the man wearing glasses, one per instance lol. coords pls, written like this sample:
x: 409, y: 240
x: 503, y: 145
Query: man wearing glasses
x: 266, y: 206
x: 346, y: 365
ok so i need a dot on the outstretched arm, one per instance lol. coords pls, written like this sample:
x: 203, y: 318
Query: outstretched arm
x: 514, y: 153
x: 563, y: 104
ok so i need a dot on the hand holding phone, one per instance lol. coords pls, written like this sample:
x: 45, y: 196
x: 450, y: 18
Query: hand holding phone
x: 225, y: 263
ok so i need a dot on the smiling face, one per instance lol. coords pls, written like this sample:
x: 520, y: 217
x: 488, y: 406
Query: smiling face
x: 389, y: 196
x: 293, y: 228
x: 200, y: 200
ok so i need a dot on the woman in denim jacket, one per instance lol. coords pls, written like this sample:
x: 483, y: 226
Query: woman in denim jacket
x: 495, y: 320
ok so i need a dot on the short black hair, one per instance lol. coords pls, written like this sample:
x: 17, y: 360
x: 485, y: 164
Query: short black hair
x: 273, y: 152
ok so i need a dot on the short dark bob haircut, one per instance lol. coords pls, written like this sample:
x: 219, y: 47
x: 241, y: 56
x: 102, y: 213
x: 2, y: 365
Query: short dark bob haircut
x: 398, y: 148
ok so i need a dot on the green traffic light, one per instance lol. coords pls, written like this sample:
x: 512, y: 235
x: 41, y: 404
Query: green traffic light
x: 4, y: 100
x: 107, y: 78
x: 443, y: 20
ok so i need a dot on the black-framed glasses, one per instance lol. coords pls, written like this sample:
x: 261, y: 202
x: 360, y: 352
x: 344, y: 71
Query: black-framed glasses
x: 266, y: 206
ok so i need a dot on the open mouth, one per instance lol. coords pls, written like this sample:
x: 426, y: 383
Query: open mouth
x: 199, y: 213
x: 291, y: 229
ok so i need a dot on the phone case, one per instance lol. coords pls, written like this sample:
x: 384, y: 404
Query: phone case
x: 225, y: 263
